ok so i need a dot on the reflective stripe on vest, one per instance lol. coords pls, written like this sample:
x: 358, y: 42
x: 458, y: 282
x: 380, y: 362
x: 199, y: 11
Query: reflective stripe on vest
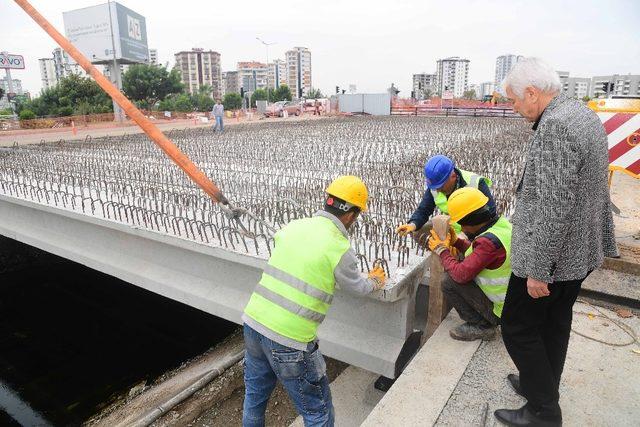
x: 440, y: 199
x: 297, y: 285
x: 494, y: 283
x: 289, y: 305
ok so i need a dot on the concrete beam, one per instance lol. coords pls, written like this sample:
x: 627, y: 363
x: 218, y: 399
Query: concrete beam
x: 367, y: 332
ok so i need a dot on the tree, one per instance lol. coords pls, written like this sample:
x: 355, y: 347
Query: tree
x: 1, y: 92
x: 72, y: 95
x: 586, y: 98
x: 232, y: 101
x: 183, y: 103
x: 258, y: 95
x: 428, y: 93
x: 203, y: 100
x: 147, y: 84
x: 282, y: 93
x: 314, y: 94
x: 27, y: 115
x: 469, y: 94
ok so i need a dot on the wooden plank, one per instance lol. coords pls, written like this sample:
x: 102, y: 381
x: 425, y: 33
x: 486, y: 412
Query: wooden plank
x: 438, y: 306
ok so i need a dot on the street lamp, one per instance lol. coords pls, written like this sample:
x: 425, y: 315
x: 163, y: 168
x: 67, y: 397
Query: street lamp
x: 266, y: 45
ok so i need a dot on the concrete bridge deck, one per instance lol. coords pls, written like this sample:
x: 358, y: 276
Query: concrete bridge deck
x: 377, y: 333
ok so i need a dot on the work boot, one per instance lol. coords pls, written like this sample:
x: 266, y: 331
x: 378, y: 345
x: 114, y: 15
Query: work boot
x: 471, y: 332
x: 514, y: 380
x: 528, y: 417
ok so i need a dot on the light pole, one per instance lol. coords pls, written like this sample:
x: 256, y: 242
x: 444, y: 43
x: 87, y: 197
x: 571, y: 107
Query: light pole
x: 266, y: 45
x: 115, y: 76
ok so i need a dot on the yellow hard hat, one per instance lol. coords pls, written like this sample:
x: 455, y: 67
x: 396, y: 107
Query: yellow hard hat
x: 464, y: 201
x: 351, y: 189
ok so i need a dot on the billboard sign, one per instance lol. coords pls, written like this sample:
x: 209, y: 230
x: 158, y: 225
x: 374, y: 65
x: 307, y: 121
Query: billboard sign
x: 132, y: 34
x: 89, y: 29
x: 14, y: 62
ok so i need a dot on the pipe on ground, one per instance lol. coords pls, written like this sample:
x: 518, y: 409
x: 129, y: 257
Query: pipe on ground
x: 162, y: 409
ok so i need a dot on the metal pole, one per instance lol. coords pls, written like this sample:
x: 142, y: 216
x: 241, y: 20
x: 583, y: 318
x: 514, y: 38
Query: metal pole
x: 267, y: 46
x: 115, y: 71
x: 268, y: 68
x: 10, y: 83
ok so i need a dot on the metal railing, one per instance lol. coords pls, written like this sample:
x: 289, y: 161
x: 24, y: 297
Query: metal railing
x: 420, y: 110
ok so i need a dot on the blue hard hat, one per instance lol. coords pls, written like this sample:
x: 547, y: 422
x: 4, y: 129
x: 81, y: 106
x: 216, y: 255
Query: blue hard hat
x: 437, y: 170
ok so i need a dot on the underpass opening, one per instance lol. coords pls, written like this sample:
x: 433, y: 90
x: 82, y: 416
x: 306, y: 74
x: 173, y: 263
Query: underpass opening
x: 75, y: 340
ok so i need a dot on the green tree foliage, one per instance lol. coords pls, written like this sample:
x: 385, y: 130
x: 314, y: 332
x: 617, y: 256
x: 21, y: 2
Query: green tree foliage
x: 182, y: 102
x: 283, y: 93
x: 314, y: 94
x: 27, y: 115
x: 586, y: 98
x: 147, y: 84
x: 203, y: 100
x: 232, y: 101
x: 469, y: 94
x: 73, y: 95
x: 258, y: 95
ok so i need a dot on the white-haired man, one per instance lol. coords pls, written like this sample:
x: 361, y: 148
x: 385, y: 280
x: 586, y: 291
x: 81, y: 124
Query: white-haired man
x: 562, y: 230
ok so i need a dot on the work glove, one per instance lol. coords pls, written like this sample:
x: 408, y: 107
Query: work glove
x: 437, y: 245
x: 378, y: 278
x: 454, y: 238
x: 405, y: 229
x: 453, y: 235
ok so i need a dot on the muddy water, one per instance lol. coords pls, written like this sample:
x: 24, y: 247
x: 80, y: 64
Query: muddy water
x: 72, y: 340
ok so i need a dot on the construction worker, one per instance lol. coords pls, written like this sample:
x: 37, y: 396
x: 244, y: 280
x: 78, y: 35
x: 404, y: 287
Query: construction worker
x: 443, y: 178
x: 310, y: 257
x: 476, y: 286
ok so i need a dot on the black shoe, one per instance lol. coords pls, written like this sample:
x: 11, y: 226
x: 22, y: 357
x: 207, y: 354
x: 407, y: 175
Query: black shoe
x: 470, y: 332
x: 525, y: 417
x: 514, y: 380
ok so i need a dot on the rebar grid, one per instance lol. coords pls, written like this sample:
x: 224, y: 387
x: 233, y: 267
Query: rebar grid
x: 277, y: 171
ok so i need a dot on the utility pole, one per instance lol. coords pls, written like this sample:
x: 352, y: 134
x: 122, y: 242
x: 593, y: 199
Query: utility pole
x: 10, y: 83
x: 116, y: 76
x: 266, y: 45
x: 9, y: 79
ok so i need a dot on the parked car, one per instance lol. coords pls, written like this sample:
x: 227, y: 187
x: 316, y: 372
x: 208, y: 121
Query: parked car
x: 277, y: 109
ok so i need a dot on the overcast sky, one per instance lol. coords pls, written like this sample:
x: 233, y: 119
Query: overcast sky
x: 367, y: 43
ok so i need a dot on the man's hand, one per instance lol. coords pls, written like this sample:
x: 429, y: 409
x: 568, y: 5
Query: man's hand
x: 378, y: 278
x: 437, y: 245
x: 405, y: 229
x: 537, y: 289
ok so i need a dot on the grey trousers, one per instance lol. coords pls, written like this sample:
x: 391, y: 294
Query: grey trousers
x: 470, y: 302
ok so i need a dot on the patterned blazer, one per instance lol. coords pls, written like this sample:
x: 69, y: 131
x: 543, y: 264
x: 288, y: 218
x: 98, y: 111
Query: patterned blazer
x: 562, y: 225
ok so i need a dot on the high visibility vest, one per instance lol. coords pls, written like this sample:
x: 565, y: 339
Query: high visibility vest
x: 296, y: 288
x: 472, y: 180
x: 494, y: 282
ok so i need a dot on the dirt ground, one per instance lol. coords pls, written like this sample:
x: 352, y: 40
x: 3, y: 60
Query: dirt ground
x: 95, y: 130
x: 625, y: 194
x: 280, y: 410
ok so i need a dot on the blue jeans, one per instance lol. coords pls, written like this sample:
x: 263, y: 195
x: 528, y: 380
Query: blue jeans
x: 303, y: 374
x: 219, y: 125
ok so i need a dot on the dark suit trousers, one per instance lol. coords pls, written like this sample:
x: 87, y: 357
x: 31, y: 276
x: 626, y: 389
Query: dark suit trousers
x: 536, y: 335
